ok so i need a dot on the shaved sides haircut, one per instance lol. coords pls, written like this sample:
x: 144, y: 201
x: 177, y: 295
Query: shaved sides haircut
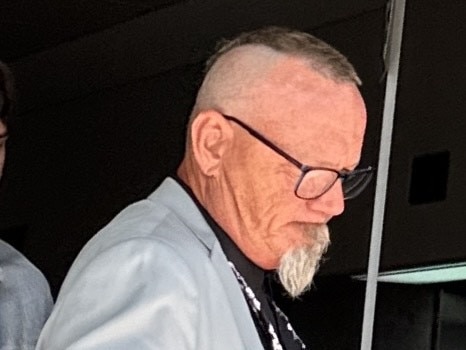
x: 323, y: 58
x: 239, y: 65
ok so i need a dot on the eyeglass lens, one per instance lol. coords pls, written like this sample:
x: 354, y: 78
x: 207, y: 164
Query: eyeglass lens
x: 353, y: 185
x: 316, y: 182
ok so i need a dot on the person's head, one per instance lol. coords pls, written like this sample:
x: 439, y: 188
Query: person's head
x: 302, y: 96
x: 6, y: 107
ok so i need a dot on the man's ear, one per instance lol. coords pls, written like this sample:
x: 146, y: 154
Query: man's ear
x: 210, y: 137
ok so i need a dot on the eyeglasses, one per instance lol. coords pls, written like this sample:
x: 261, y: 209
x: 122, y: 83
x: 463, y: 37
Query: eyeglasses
x: 316, y: 181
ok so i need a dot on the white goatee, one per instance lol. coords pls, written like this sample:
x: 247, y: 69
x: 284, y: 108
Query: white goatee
x: 299, y: 265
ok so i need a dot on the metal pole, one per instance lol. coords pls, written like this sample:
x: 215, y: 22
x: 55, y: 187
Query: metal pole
x: 394, y: 38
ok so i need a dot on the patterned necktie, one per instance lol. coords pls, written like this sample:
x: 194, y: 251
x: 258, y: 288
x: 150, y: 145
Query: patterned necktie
x: 266, y: 326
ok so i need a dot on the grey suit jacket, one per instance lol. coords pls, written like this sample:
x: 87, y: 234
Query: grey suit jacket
x: 154, y: 278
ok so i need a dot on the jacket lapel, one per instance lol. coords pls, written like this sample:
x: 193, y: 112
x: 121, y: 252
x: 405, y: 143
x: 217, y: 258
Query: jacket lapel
x: 175, y: 198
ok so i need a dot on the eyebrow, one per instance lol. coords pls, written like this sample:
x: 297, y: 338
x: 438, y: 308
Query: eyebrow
x: 4, y: 135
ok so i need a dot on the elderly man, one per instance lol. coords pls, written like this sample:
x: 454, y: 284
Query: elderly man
x: 25, y: 299
x: 184, y: 269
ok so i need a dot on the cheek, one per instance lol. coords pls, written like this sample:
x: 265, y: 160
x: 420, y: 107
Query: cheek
x: 275, y: 202
x: 284, y: 229
x: 278, y: 204
x: 278, y: 184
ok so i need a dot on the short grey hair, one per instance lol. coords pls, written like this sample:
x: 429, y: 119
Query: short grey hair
x: 262, y: 44
x: 322, y: 57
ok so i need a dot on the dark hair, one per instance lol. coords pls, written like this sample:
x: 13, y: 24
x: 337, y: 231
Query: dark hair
x: 322, y: 57
x: 7, y: 92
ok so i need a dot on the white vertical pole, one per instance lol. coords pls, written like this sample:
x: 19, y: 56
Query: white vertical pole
x: 394, y: 37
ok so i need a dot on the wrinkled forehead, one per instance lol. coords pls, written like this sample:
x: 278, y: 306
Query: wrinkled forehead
x: 293, y: 90
x: 295, y: 76
x: 311, y: 114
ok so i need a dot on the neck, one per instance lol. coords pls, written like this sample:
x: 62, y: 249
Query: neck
x: 216, y: 197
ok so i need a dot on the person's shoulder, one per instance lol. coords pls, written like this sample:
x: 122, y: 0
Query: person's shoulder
x: 141, y: 253
x: 125, y: 268
x: 24, y: 289
x: 144, y: 225
x: 17, y: 269
x: 139, y: 249
x: 147, y: 237
x: 140, y: 283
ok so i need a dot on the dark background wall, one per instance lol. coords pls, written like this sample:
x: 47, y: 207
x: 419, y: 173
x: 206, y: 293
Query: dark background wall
x: 104, y: 97
x: 330, y: 317
x: 430, y: 118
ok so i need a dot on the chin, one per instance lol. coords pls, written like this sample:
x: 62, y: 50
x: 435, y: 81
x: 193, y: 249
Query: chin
x: 299, y: 264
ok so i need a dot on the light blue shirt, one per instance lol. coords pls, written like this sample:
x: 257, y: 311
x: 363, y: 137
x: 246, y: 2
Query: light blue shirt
x: 25, y: 300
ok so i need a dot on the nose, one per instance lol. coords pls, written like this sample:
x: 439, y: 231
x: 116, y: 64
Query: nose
x: 331, y: 203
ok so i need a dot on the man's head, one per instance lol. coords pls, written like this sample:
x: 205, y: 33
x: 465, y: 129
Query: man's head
x: 6, y: 107
x: 294, y: 100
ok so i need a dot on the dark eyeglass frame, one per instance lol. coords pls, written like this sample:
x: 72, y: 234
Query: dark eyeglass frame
x: 303, y: 167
